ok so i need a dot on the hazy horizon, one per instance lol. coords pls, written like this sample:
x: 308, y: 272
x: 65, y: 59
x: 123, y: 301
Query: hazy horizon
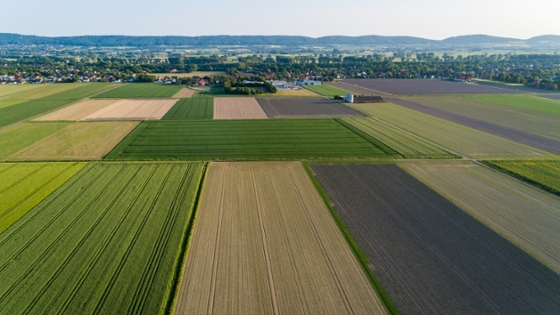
x: 431, y: 19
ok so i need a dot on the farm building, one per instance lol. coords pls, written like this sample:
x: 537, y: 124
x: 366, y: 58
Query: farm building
x: 308, y: 82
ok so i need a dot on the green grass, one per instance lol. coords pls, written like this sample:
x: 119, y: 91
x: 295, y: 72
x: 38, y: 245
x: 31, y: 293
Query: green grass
x: 109, y: 241
x: 29, y: 109
x: 191, y: 109
x: 401, y: 141
x: 458, y: 138
x: 218, y: 91
x: 544, y: 174
x: 528, y: 102
x: 142, y: 90
x: 246, y: 140
x: 8, y: 103
x: 23, y: 186
x: 326, y: 90
x: 18, y: 137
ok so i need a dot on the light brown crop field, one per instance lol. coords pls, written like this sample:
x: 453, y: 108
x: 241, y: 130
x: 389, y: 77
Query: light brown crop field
x: 456, y: 137
x: 523, y: 215
x: 297, y: 93
x: 185, y: 93
x: 8, y: 91
x: 265, y: 243
x: 237, y: 108
x: 79, y: 141
x: 78, y: 111
x: 32, y: 92
x: 149, y: 109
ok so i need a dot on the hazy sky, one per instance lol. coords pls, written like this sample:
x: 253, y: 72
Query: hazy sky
x: 434, y: 19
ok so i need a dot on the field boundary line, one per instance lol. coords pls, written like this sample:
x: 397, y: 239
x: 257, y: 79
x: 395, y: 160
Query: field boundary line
x: 376, y: 143
x: 364, y: 262
x: 272, y: 287
x: 186, y: 242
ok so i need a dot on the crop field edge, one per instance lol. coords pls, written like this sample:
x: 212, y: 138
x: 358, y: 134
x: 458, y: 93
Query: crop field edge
x: 127, y: 140
x: 179, y: 269
x: 356, y: 249
x: 378, y: 144
x: 494, y: 165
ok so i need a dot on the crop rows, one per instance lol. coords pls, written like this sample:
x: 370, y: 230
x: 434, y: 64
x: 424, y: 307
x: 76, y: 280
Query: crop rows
x: 23, y: 186
x: 425, y: 87
x: 237, y: 108
x: 266, y: 244
x: 430, y: 255
x: 527, y: 102
x: 191, y: 109
x: 108, y: 241
x: 254, y: 139
x: 142, y: 90
x: 326, y: 90
x: 305, y: 107
x: 545, y: 174
x: 18, y: 137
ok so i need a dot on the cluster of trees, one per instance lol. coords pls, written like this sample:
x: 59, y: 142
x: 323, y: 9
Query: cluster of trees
x: 252, y: 86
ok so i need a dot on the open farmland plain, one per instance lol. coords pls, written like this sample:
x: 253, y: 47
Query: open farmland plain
x: 18, y: 137
x: 555, y: 97
x: 431, y: 256
x: 297, y: 93
x: 109, y: 241
x: 32, y: 108
x: 527, y: 102
x: 237, y: 108
x: 406, y: 144
x: 545, y: 174
x: 534, y: 129
x: 305, y: 108
x: 78, y: 141
x: 354, y: 89
x: 265, y: 243
x: 149, y: 109
x: 33, y: 91
x: 23, y: 186
x: 525, y: 216
x: 191, y: 109
x: 77, y: 111
x: 142, y: 90
x: 276, y: 139
x: 326, y: 90
x: 456, y: 137
x: 425, y: 87
x: 184, y: 93
x: 8, y: 103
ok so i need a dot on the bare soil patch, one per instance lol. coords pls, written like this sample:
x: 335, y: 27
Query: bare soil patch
x: 152, y: 109
x: 237, y: 108
x: 78, y: 111
x: 305, y: 107
x: 184, y: 93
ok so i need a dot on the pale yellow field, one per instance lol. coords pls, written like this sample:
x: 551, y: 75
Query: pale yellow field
x: 8, y: 90
x: 265, y: 243
x: 78, y: 111
x: 298, y: 93
x: 523, y: 215
x: 34, y: 91
x: 185, y: 93
x: 79, y: 141
x: 237, y: 108
x: 152, y: 109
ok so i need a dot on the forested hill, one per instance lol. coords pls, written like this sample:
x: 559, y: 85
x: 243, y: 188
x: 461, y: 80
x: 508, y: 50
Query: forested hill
x: 146, y: 41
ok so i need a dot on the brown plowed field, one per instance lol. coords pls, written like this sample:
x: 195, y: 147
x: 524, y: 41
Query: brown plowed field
x: 79, y: 141
x: 265, y: 243
x: 134, y: 110
x: 237, y: 108
x: 425, y: 87
x: 354, y: 89
x: 431, y: 256
x: 78, y: 111
x: 184, y: 93
x: 305, y: 108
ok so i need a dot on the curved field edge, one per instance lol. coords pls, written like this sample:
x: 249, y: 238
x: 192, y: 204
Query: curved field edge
x: 185, y: 247
x: 358, y: 252
x: 496, y: 166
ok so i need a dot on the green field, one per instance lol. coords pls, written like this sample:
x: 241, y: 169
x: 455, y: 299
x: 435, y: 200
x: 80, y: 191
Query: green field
x: 533, y: 103
x: 246, y: 140
x: 191, y: 109
x: 545, y: 174
x: 20, y: 136
x: 142, y: 90
x: 326, y: 90
x: 401, y: 141
x: 23, y: 186
x: 109, y: 241
x: 35, y: 91
x: 32, y: 108
x: 8, y: 103
x: 456, y: 137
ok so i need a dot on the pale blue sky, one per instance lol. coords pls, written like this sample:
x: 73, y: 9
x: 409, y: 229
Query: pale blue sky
x: 435, y: 19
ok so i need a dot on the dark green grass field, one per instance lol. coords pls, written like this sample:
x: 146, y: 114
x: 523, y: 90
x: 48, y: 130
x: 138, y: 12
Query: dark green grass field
x: 191, y: 109
x: 247, y: 140
x: 22, y: 111
x: 142, y: 90
x: 326, y: 90
x: 528, y: 102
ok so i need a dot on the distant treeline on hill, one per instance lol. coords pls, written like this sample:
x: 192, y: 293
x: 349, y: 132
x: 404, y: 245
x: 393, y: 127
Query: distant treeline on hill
x: 146, y: 41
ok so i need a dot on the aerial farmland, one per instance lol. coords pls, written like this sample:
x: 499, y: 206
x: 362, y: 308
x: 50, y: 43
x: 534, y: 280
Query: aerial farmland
x: 147, y: 198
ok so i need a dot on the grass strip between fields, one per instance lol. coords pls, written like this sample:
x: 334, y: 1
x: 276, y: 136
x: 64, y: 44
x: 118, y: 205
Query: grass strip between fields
x: 358, y: 252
